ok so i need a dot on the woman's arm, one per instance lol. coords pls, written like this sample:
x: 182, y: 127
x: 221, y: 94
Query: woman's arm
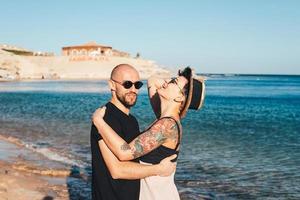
x: 149, y: 140
x: 133, y: 170
x: 153, y: 84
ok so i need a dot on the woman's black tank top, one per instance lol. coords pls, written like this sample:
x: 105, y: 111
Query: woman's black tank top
x: 162, y: 152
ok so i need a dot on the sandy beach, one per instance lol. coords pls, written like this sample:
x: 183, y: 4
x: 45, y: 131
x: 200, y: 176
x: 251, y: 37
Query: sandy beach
x: 23, y: 176
x: 21, y: 185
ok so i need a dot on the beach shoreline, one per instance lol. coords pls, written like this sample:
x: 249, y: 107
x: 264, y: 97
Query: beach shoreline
x: 18, y: 184
x: 23, y: 179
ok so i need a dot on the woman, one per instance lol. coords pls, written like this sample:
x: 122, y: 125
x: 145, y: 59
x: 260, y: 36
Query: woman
x: 170, y: 101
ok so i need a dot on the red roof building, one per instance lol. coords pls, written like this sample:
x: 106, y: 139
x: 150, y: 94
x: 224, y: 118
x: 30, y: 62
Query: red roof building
x: 88, y: 49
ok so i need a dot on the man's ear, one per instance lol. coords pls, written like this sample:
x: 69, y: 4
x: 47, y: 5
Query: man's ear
x: 112, y: 85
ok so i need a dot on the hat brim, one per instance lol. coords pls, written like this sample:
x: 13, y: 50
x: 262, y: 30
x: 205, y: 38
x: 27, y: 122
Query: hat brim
x: 193, y: 88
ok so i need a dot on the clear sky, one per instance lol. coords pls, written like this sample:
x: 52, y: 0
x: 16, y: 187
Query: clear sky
x: 213, y: 36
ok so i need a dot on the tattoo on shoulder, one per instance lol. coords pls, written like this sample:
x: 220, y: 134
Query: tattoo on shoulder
x: 171, y: 129
x: 154, y: 137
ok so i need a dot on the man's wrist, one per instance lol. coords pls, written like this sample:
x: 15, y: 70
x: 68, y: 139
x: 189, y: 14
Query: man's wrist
x: 98, y: 122
x: 156, y: 169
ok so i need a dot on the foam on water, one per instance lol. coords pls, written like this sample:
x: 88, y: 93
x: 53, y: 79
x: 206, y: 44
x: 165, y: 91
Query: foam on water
x: 12, y: 146
x: 52, y: 155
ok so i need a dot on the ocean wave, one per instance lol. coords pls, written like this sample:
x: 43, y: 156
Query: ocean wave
x: 52, y: 155
x: 48, y: 153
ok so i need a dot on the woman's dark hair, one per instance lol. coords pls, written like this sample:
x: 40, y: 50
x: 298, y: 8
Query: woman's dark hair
x: 187, y: 73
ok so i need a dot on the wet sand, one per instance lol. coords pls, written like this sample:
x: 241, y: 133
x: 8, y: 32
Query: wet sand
x: 20, y: 178
x: 27, y: 175
x: 16, y: 184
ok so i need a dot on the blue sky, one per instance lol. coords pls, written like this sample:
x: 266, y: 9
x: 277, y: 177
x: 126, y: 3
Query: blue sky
x: 213, y: 36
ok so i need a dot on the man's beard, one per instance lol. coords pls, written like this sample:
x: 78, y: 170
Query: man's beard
x: 126, y: 102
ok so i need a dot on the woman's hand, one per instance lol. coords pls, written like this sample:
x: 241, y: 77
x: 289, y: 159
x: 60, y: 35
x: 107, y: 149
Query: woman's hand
x: 156, y: 82
x: 98, y: 115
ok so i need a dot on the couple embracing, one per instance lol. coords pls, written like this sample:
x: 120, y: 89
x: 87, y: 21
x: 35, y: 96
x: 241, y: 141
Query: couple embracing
x: 128, y: 164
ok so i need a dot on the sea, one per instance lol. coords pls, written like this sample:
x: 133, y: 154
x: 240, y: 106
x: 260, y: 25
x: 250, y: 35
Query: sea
x: 243, y: 144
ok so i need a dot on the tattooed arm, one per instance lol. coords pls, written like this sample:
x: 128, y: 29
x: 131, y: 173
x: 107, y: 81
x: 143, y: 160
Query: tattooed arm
x: 162, y: 130
x: 133, y: 170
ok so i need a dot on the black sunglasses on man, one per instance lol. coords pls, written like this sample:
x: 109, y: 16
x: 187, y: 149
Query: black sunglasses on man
x: 128, y: 84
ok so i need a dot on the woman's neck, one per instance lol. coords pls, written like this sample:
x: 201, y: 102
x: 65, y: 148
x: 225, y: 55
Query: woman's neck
x: 170, y: 111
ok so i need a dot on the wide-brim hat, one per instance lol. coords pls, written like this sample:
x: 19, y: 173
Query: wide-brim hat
x: 195, y: 91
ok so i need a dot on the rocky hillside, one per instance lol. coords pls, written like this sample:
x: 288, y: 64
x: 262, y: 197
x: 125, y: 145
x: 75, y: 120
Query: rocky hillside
x: 18, y: 67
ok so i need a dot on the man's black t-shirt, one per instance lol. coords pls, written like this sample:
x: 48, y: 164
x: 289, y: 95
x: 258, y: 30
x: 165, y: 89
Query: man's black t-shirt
x: 104, y: 187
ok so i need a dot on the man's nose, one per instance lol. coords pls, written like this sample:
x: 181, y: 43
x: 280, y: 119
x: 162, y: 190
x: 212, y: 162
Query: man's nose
x: 133, y: 89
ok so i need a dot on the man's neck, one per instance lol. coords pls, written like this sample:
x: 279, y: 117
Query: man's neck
x: 120, y: 106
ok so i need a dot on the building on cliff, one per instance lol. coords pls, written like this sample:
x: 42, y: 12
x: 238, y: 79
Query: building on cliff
x: 91, y: 51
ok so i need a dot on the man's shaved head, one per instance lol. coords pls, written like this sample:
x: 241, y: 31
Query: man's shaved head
x: 123, y: 71
x: 120, y: 74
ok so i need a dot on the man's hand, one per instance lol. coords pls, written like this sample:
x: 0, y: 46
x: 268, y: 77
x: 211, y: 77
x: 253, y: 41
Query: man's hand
x: 166, y: 167
x: 98, y: 114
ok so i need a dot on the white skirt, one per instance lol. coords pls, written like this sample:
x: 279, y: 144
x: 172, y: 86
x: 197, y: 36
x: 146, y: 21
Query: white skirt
x: 158, y: 188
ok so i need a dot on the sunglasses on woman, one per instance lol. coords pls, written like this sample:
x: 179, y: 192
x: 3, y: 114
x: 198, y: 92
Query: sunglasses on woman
x: 174, y: 81
x: 128, y: 84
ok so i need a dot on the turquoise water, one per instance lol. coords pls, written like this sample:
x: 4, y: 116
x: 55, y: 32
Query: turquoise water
x: 244, y: 143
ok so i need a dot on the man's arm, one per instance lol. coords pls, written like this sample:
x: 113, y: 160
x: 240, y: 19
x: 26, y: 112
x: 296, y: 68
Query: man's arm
x: 161, y: 131
x: 133, y: 170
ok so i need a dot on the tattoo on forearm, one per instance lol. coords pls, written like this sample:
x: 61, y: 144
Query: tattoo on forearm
x: 138, y: 149
x: 125, y: 147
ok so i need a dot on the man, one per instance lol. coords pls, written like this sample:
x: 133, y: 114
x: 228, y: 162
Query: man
x: 108, y: 173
